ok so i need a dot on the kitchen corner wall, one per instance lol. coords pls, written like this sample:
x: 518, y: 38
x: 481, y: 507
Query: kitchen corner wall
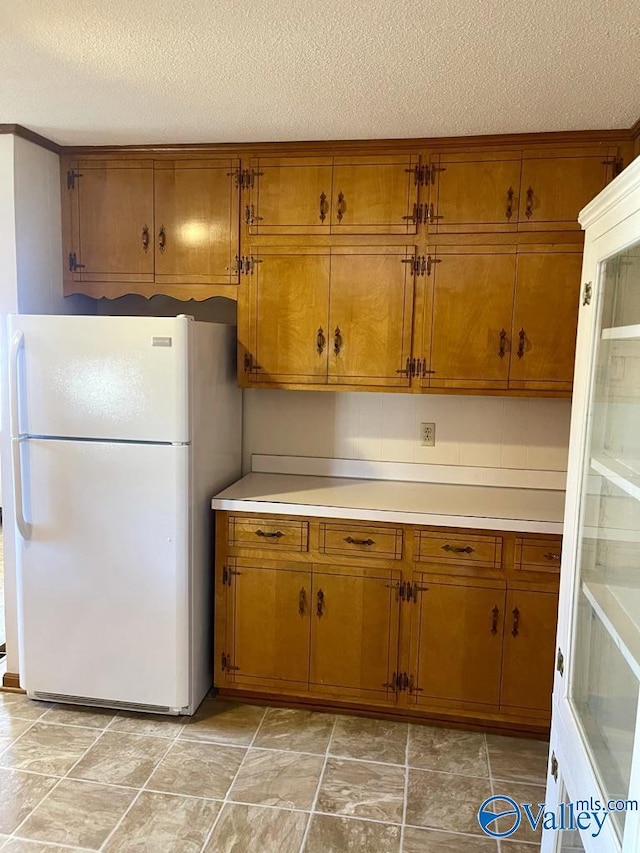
x: 31, y: 283
x: 492, y: 432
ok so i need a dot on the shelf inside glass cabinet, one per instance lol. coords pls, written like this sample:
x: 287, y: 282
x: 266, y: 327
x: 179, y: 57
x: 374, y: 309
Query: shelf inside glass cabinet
x: 618, y: 608
x: 622, y: 333
x: 623, y: 473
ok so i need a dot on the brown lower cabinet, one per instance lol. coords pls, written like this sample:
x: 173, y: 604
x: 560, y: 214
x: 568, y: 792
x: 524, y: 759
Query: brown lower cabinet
x: 448, y: 624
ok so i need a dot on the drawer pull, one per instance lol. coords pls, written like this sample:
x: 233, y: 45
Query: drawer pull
x: 515, y: 630
x: 495, y: 613
x: 266, y: 535
x: 458, y: 550
x: 320, y: 604
x: 552, y: 557
x: 302, y: 601
x: 351, y: 541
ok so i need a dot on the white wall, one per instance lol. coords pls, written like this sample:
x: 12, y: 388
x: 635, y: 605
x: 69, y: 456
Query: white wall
x: 495, y: 432
x: 216, y: 310
x: 30, y: 282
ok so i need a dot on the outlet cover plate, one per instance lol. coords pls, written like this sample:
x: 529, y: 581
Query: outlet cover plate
x: 427, y: 435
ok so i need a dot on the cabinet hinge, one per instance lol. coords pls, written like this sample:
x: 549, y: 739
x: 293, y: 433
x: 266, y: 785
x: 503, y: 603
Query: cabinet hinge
x: 431, y: 173
x: 554, y: 767
x: 617, y: 164
x: 247, y: 178
x: 420, y: 173
x: 227, y: 574
x: 588, y: 292
x: 225, y: 664
x: 560, y: 662
x: 404, y: 683
x: 74, y: 266
x: 250, y: 214
x: 418, y: 214
x: 412, y: 591
x: 71, y: 178
x: 246, y: 264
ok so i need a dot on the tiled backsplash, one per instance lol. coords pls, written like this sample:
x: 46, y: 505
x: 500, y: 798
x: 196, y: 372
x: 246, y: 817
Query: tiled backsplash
x: 494, y: 432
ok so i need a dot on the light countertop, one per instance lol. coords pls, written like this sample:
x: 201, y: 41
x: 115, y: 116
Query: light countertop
x: 438, y: 504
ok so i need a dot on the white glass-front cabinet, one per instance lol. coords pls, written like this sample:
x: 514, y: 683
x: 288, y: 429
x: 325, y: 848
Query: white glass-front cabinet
x: 595, y: 733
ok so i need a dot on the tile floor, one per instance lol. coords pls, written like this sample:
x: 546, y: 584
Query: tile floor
x: 250, y: 780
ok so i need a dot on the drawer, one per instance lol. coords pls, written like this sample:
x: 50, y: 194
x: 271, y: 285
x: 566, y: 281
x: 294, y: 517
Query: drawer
x: 534, y: 554
x: 384, y: 543
x: 269, y: 533
x: 461, y: 549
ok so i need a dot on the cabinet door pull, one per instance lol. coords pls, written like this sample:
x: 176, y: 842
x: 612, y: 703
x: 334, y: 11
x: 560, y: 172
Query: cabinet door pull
x: 495, y: 613
x: 503, y: 343
x: 529, y: 206
x: 320, y: 341
x: 509, y: 210
x: 162, y: 239
x: 302, y: 601
x: 268, y: 535
x: 337, y: 341
x: 515, y: 629
x: 341, y: 207
x: 320, y: 604
x: 351, y: 541
x: 323, y: 208
x: 522, y: 337
x: 552, y: 557
x: 145, y: 238
x: 458, y: 550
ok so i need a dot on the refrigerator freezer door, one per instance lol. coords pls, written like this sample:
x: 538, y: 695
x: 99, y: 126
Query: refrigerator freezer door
x: 103, y: 581
x: 103, y: 377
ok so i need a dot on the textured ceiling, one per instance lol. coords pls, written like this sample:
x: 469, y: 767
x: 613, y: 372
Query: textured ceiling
x: 144, y: 71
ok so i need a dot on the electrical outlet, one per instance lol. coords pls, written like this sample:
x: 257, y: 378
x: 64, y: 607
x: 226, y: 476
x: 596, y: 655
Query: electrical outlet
x: 427, y: 435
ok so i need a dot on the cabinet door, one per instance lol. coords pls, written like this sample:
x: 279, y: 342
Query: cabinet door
x: 196, y: 219
x: 268, y: 624
x: 371, y: 314
x: 457, y: 642
x: 288, y: 195
x: 289, y: 307
x: 557, y: 184
x: 375, y: 195
x: 474, y: 192
x: 354, y: 632
x: 471, y: 325
x: 112, y: 220
x: 545, y: 319
x: 529, y: 644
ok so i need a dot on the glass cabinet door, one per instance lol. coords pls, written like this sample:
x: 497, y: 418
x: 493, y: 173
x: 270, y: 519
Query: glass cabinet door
x: 605, y: 674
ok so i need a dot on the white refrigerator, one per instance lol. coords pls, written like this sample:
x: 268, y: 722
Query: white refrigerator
x: 122, y: 429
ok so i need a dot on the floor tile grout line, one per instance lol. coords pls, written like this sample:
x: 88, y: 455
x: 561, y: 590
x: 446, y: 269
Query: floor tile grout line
x: 60, y: 779
x: 406, y: 787
x: 140, y: 790
x: 492, y: 789
x: 314, y: 802
x: 226, y: 800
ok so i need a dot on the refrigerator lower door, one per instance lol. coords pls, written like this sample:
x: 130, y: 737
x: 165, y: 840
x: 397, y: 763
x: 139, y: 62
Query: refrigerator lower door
x: 103, y: 580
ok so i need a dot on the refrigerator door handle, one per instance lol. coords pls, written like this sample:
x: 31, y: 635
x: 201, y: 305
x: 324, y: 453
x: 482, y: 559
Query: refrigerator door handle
x: 17, y: 343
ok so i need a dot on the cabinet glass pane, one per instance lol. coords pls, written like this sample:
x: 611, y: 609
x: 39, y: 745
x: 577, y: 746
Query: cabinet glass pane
x: 605, y: 674
x: 568, y: 839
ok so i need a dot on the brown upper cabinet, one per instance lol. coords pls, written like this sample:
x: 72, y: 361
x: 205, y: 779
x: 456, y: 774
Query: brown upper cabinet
x: 338, y: 315
x: 557, y: 184
x: 332, y: 195
x: 473, y: 192
x: 157, y: 221
x: 501, y: 317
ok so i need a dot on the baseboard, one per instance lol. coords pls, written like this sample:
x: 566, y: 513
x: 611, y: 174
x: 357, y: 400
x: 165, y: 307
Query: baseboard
x: 11, y: 680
